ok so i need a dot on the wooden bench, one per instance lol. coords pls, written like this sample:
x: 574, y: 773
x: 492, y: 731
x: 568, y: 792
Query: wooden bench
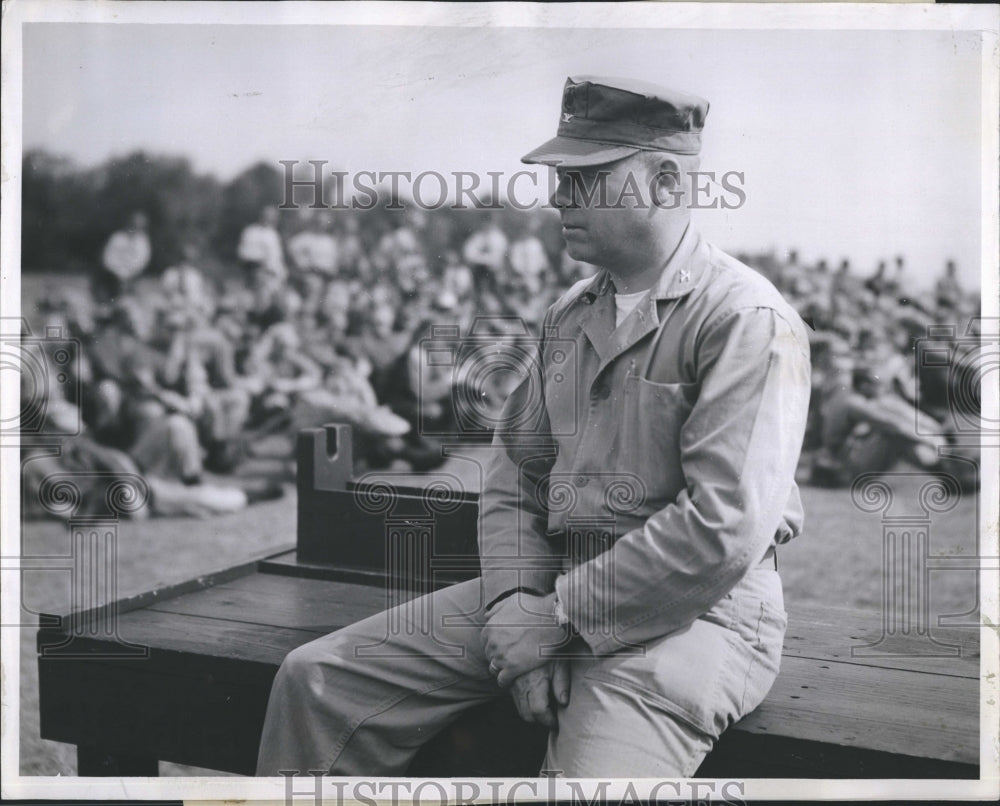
x: 182, y: 674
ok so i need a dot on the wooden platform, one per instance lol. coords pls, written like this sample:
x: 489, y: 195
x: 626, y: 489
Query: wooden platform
x: 215, y: 644
x: 183, y: 674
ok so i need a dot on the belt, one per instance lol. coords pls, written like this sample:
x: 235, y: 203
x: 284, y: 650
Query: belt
x: 770, y: 556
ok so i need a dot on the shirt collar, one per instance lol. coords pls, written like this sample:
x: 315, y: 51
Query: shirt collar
x: 680, y: 275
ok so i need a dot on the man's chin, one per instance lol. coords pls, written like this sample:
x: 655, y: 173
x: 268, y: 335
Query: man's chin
x: 578, y: 251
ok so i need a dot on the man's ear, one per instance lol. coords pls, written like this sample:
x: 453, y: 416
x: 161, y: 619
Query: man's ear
x: 668, y: 174
x: 667, y: 183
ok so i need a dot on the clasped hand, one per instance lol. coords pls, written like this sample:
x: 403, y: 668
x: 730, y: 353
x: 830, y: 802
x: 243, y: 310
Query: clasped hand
x: 516, y: 634
x: 520, y: 635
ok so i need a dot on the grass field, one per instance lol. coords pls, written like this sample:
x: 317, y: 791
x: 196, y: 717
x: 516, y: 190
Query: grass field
x: 837, y: 561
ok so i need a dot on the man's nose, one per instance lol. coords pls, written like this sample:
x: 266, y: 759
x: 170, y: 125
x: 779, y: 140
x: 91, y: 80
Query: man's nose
x: 563, y: 195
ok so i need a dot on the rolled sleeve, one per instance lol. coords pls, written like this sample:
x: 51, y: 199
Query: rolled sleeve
x: 739, y: 448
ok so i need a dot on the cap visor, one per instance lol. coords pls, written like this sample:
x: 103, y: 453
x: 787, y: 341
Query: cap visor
x: 568, y: 152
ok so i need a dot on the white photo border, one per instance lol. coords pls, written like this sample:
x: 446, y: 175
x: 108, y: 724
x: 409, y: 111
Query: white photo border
x: 983, y: 19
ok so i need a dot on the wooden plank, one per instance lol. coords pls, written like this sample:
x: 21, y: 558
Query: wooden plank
x: 195, y: 636
x: 831, y: 633
x: 845, y: 704
x: 882, y: 712
x: 147, y: 598
x: 292, y: 564
x: 324, y: 606
x: 276, y: 601
x: 739, y: 754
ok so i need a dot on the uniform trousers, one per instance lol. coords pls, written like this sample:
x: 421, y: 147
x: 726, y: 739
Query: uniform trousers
x: 363, y: 700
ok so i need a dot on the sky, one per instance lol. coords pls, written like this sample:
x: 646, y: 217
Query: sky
x: 861, y: 145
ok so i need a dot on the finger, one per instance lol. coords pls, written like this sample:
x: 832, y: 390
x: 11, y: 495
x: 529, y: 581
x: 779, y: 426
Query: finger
x: 520, y: 697
x: 560, y: 682
x: 538, y: 701
x: 506, y: 678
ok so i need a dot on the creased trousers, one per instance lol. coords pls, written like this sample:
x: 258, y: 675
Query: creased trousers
x: 362, y: 700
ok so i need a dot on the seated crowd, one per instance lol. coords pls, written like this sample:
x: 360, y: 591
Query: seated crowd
x: 332, y: 317
x: 874, y: 402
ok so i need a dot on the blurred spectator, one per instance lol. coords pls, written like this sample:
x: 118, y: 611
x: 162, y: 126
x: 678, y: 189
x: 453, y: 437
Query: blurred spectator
x: 867, y: 428
x: 398, y: 246
x: 346, y: 396
x: 528, y: 261
x: 260, y: 248
x: 419, y: 391
x: 162, y: 458
x: 947, y: 291
x: 125, y: 257
x: 484, y: 253
x: 878, y: 283
x: 200, y: 366
x: 314, y: 248
x: 380, y: 341
x: 280, y: 371
x: 353, y: 262
x: 184, y: 286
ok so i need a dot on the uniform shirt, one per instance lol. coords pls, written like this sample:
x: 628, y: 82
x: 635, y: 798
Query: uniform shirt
x: 651, y: 480
x: 625, y: 304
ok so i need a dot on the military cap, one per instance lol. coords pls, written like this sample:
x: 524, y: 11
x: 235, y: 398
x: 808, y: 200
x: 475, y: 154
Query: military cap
x: 607, y: 119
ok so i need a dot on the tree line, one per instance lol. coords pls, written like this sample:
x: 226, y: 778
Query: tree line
x: 69, y: 211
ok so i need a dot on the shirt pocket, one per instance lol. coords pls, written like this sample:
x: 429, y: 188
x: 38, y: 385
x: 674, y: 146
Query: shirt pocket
x: 649, y: 437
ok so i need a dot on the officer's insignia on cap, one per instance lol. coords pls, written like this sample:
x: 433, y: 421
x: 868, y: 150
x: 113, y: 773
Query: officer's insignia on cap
x: 604, y: 120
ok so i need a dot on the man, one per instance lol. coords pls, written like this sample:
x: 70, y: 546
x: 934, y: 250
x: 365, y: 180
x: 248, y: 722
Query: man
x: 125, y: 257
x: 485, y: 253
x: 260, y: 248
x: 630, y: 525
